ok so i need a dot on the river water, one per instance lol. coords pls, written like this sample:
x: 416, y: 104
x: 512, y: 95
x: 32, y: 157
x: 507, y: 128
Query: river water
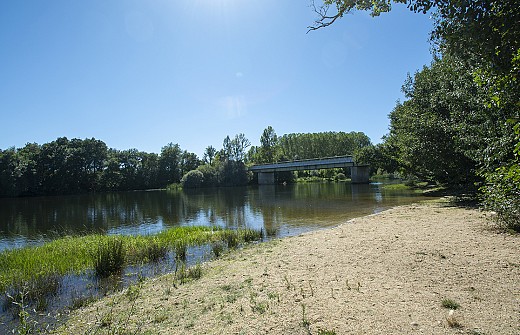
x: 282, y: 210
x: 279, y: 210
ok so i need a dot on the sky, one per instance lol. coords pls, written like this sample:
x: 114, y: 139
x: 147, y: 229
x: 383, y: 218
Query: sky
x: 142, y: 74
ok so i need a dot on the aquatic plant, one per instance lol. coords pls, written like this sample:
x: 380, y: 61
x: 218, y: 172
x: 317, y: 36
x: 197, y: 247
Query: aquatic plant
x: 155, y: 252
x: 181, y: 249
x: 217, y: 248
x: 231, y: 238
x: 250, y: 235
x: 109, y: 259
x: 40, y: 268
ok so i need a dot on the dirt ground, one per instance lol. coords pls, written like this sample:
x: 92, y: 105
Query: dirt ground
x: 382, y: 274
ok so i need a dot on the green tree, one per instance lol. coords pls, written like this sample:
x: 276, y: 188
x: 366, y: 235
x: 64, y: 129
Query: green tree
x: 239, y: 146
x: 268, y: 143
x: 169, y: 164
x: 189, y: 162
x: 209, y: 154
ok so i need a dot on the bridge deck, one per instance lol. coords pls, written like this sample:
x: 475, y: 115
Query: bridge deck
x: 306, y: 164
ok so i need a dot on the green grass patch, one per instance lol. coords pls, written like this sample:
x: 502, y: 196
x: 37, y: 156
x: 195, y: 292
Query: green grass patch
x: 450, y: 304
x: 107, y: 252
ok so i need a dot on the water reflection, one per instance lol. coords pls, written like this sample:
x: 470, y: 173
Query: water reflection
x: 288, y: 209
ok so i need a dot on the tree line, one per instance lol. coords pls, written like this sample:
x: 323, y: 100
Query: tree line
x: 228, y: 166
x: 459, y: 125
x: 74, y: 166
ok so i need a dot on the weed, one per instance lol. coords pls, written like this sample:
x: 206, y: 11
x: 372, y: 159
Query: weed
x: 155, y: 252
x: 36, y: 291
x: 161, y: 317
x: 251, y: 235
x: 312, y: 290
x: 287, y: 282
x: 181, y: 249
x: 450, y: 304
x: 115, y: 324
x: 25, y: 323
x: 270, y: 231
x: 226, y: 288
x: 260, y: 307
x: 195, y: 272
x: 273, y: 296
x: 305, y: 323
x: 231, y: 238
x: 110, y: 258
x: 326, y: 332
x: 133, y: 292
x: 452, y: 320
x: 217, y: 248
x: 81, y: 301
x: 180, y: 274
x: 183, y: 274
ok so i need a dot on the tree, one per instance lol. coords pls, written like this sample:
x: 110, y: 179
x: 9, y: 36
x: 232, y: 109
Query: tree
x: 227, y: 149
x: 239, y: 147
x: 268, y: 142
x: 169, y: 164
x: 209, y: 154
x: 189, y: 162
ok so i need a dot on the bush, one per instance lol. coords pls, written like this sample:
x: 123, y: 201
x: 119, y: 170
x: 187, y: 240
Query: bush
x: 502, y: 195
x: 210, y: 173
x: 192, y: 179
x: 340, y: 176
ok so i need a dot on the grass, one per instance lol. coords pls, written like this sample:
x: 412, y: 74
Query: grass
x: 450, y: 304
x: 109, y: 258
x: 326, y: 332
x: 103, y: 253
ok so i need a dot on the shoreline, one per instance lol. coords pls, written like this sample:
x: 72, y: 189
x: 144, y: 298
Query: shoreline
x: 384, y: 273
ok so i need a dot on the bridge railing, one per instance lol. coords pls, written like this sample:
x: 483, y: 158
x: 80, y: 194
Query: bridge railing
x: 306, y: 164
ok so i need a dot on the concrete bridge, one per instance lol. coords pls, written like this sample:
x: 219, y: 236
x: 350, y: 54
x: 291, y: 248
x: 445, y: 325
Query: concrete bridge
x: 359, y: 173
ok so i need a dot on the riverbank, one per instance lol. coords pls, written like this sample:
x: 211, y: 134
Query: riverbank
x: 387, y: 273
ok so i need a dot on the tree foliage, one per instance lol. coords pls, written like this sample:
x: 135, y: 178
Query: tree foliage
x: 72, y: 166
x: 306, y: 145
x: 192, y: 179
x: 455, y: 126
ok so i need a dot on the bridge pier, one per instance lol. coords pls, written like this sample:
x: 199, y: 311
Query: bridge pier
x: 360, y: 174
x: 265, y: 178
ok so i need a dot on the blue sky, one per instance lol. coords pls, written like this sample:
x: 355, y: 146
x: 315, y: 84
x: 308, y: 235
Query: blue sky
x: 142, y: 74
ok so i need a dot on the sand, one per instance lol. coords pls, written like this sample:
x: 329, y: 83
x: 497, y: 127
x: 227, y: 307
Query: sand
x: 387, y: 273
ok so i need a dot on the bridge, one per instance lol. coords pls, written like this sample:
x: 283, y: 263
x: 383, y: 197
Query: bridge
x: 359, y: 173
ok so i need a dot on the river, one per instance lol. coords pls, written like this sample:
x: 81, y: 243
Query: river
x: 282, y: 210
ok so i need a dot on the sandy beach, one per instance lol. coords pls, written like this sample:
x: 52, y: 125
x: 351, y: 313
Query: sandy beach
x: 387, y: 273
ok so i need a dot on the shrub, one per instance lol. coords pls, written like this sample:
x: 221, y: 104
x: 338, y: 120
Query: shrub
x: 340, y: 176
x: 192, y: 179
x: 502, y: 195
x: 210, y: 173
